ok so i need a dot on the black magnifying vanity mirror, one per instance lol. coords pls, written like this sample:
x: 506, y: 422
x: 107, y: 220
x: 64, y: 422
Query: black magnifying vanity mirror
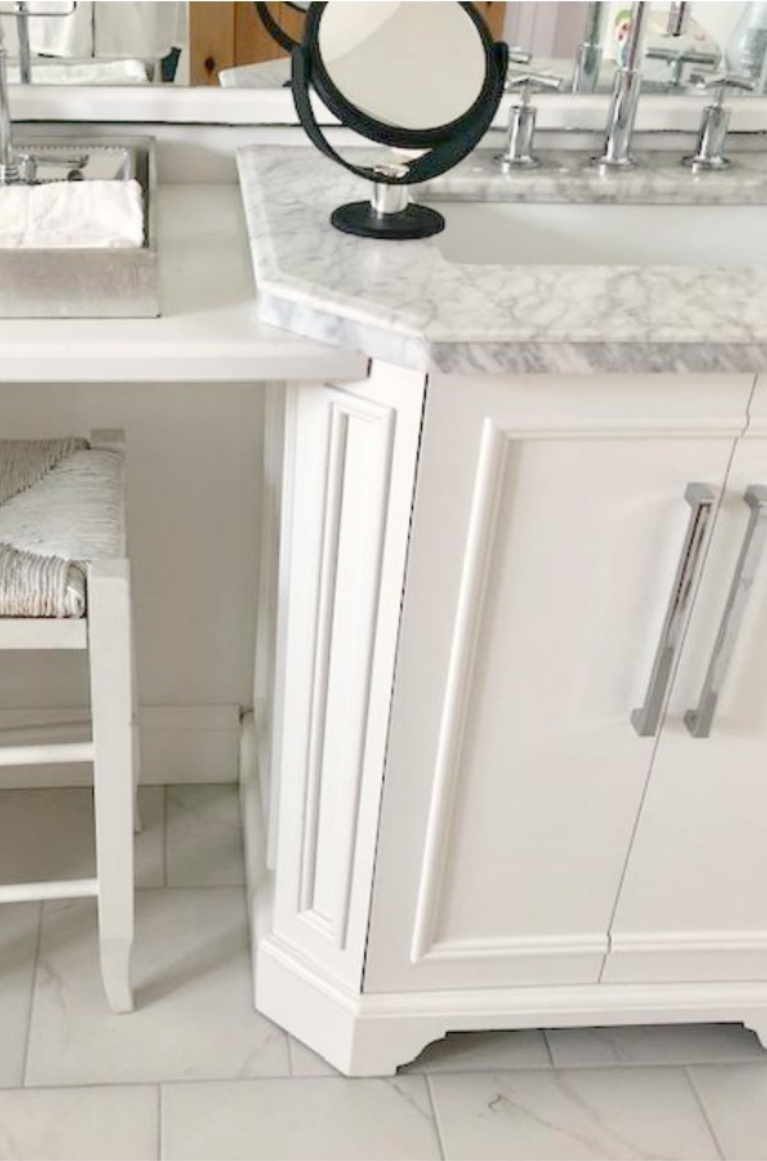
x: 428, y: 95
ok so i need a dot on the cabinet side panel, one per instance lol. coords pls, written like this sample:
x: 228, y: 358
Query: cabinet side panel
x: 354, y: 462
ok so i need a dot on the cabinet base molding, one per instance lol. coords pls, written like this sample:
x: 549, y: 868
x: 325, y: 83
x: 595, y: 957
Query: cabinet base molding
x: 372, y: 1035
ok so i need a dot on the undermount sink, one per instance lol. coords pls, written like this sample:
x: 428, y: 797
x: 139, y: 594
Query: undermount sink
x: 598, y: 234
x: 92, y: 282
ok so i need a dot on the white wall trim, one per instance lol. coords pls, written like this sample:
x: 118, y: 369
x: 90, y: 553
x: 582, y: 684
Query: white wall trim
x: 179, y: 744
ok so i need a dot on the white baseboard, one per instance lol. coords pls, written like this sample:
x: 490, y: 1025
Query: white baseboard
x: 178, y: 744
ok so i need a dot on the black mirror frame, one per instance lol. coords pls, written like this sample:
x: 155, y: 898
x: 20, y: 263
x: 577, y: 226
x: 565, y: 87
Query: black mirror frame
x: 381, y: 131
x: 275, y: 30
x: 447, y: 144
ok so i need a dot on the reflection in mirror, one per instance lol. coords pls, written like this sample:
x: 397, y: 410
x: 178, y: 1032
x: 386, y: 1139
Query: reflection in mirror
x: 95, y: 41
x: 440, y: 72
x: 585, y: 41
x: 224, y: 43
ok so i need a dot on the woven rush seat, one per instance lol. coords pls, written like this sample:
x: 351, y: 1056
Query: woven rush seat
x: 65, y: 584
x: 72, y: 515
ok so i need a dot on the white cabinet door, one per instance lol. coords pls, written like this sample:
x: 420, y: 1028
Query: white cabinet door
x: 549, y: 522
x: 693, y: 905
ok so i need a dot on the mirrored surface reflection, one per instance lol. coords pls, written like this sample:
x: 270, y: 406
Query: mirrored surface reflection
x: 82, y: 42
x: 193, y: 42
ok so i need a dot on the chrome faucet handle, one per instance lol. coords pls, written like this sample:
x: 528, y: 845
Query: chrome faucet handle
x: 709, y: 149
x: 530, y: 80
x: 519, y: 55
x: 522, y: 114
x: 723, y: 81
x: 678, y: 58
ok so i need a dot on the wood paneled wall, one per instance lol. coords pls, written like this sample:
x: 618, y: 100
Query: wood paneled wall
x: 225, y: 34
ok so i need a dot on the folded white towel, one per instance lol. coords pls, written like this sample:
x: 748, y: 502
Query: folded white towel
x: 96, y: 72
x: 68, y: 33
x: 72, y: 215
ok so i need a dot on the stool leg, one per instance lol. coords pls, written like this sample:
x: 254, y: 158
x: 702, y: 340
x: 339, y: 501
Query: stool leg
x: 136, y: 751
x: 109, y: 631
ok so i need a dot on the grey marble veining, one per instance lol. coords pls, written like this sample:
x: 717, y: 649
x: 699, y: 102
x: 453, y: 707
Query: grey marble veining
x: 405, y: 303
x: 567, y: 176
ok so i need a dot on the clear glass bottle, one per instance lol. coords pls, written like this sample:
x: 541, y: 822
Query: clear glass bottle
x: 746, y: 50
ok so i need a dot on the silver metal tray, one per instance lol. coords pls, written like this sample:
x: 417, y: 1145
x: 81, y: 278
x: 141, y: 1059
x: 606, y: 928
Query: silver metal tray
x: 109, y: 283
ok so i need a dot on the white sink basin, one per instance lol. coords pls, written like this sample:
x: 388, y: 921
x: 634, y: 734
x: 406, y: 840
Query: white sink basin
x: 594, y: 234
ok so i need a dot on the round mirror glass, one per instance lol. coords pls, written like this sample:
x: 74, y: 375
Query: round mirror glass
x: 403, y: 64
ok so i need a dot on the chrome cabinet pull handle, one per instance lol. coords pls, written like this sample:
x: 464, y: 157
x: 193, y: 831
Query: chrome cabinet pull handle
x: 701, y: 500
x: 699, y: 720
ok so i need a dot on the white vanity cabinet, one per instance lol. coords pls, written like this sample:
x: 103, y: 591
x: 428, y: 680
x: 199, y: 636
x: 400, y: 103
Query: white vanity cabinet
x: 483, y: 829
x: 549, y: 521
x: 693, y: 903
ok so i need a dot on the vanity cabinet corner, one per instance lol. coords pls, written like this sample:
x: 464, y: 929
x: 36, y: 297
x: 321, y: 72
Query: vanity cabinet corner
x: 478, y: 835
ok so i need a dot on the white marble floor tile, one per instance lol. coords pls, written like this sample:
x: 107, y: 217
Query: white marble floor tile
x: 597, y: 1113
x: 654, y: 1044
x: 299, y: 1119
x: 204, y: 836
x: 484, y: 1052
x: 194, y: 1018
x: 48, y: 834
x: 105, y: 1124
x: 735, y: 1099
x: 19, y: 923
x: 304, y: 1062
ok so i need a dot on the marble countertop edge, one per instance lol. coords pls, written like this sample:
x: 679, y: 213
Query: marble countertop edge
x: 415, y: 308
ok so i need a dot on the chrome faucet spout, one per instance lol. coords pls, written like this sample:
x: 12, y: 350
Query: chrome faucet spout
x: 625, y: 96
x: 9, y: 169
x: 22, y: 33
x: 589, y: 58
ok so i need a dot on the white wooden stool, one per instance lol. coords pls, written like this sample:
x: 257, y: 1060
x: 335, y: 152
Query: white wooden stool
x: 72, y: 519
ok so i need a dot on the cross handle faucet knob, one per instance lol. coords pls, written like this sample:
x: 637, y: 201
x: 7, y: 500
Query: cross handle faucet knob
x: 528, y: 82
x: 519, y: 145
x: 678, y: 58
x: 709, y: 150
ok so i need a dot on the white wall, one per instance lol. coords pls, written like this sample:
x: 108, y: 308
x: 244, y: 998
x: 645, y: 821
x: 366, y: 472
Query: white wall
x: 194, y: 494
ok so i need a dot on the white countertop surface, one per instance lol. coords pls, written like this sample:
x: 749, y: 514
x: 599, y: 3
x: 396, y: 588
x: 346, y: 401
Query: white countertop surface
x: 209, y: 330
x: 405, y: 303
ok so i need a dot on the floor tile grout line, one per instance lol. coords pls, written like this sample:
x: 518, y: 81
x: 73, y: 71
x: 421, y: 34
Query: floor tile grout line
x: 160, y: 1142
x: 704, y: 1111
x: 278, y: 1075
x: 32, y: 990
x: 549, y: 1049
x: 435, y: 1118
x: 165, y: 836
x: 490, y: 1070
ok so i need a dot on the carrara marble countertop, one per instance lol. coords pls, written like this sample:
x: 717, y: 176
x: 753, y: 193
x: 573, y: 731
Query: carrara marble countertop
x: 403, y: 302
x: 209, y: 330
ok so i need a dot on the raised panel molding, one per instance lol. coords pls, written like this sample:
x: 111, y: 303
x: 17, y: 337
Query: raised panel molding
x: 480, y: 544
x: 684, y: 955
x: 548, y: 945
x: 653, y: 942
x: 356, y: 489
x: 500, y: 433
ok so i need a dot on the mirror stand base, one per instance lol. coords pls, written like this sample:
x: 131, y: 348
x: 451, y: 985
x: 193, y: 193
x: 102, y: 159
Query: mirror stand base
x: 361, y: 219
